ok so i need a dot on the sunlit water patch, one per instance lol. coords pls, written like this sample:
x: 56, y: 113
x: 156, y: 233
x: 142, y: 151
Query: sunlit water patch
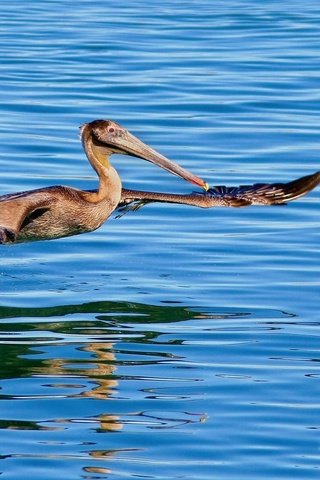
x: 173, y: 342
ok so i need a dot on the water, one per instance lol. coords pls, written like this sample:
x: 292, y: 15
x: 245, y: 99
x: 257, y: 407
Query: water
x: 174, y: 342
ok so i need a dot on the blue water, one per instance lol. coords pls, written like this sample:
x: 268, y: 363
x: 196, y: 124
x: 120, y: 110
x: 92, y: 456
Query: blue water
x: 175, y: 342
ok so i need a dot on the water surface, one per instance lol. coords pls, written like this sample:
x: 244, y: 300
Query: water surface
x: 174, y: 342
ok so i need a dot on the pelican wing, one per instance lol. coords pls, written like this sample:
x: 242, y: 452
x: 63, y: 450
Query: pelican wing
x: 221, y: 196
x: 15, y: 208
x: 262, y: 193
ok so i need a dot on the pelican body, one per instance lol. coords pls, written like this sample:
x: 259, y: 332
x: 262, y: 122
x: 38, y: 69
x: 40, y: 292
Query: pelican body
x: 59, y: 211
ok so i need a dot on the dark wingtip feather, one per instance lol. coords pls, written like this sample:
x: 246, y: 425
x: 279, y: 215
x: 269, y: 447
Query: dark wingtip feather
x: 263, y: 193
x: 297, y: 188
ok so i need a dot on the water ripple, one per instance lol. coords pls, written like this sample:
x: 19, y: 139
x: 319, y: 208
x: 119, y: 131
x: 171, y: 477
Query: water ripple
x: 174, y: 342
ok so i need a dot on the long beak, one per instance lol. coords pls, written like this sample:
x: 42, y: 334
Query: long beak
x: 131, y: 145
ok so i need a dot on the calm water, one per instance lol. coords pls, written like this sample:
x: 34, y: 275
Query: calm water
x: 173, y: 343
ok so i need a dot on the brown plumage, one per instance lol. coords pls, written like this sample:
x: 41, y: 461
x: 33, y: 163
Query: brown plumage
x: 59, y: 211
x: 221, y: 196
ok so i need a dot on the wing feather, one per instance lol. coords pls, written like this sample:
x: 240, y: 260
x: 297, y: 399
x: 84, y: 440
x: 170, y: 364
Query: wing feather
x: 263, y: 193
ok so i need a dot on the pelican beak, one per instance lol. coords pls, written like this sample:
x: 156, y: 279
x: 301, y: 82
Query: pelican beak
x: 131, y: 145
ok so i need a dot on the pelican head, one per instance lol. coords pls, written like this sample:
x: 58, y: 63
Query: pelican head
x: 111, y: 137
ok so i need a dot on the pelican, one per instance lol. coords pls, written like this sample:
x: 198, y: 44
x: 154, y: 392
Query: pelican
x: 59, y: 211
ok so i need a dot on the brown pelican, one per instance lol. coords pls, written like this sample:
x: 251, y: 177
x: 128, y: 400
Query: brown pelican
x: 59, y: 211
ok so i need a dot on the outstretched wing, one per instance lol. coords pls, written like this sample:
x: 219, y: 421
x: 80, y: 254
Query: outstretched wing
x: 220, y: 196
x: 262, y: 193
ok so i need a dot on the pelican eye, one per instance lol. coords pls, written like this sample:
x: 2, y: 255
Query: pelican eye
x: 111, y: 130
